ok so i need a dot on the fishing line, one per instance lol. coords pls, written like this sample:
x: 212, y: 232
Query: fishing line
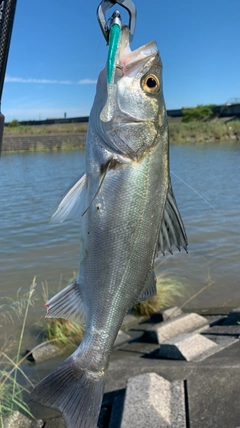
x: 196, y: 192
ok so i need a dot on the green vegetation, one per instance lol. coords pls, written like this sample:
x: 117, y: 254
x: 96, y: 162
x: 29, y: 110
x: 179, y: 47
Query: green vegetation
x: 14, y: 123
x: 11, y: 391
x: 167, y: 292
x: 194, y: 131
x: 204, y: 132
x: 14, y: 128
x: 63, y: 332
x: 199, y: 113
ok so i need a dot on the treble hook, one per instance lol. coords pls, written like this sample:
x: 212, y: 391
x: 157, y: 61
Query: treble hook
x: 105, y: 5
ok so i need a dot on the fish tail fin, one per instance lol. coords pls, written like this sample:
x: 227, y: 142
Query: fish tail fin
x: 77, y: 393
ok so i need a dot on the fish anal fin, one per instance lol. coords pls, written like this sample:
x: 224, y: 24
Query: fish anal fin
x: 149, y: 289
x: 172, y: 232
x: 67, y: 304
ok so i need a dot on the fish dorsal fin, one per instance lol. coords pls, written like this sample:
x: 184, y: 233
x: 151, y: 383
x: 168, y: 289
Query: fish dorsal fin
x: 172, y: 232
x: 67, y: 304
x: 73, y: 202
x: 149, y: 289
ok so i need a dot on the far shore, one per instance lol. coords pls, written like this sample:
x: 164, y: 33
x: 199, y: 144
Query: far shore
x: 72, y: 136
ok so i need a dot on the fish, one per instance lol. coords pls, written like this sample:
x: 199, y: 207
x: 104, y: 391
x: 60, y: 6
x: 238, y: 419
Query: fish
x: 128, y: 216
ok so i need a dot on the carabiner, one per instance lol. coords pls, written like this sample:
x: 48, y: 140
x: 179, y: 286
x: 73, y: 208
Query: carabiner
x: 105, y: 5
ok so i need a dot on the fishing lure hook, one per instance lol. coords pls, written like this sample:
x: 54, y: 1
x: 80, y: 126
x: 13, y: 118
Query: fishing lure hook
x: 105, y: 5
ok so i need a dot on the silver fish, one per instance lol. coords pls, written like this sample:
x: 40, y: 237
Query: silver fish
x: 128, y: 214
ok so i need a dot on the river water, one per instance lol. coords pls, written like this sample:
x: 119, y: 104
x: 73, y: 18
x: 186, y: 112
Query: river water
x: 31, y: 184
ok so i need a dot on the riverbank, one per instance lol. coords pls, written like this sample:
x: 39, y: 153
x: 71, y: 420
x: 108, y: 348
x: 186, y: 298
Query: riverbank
x: 72, y: 136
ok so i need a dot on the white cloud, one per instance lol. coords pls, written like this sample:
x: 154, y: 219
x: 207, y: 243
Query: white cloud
x: 10, y: 79
x: 87, y: 82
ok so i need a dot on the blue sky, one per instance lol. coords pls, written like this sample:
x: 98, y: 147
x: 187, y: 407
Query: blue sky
x: 57, y: 51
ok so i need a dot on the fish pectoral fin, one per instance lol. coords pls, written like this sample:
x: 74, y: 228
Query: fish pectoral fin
x: 172, y: 232
x: 67, y: 304
x: 111, y: 163
x: 150, y: 288
x: 73, y: 202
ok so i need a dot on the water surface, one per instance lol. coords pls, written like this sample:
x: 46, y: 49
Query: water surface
x: 31, y: 184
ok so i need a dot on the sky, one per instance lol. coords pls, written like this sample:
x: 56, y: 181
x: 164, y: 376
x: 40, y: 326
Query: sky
x: 57, y: 51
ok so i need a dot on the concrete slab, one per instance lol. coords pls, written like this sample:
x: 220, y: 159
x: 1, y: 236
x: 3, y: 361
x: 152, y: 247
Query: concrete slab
x: 43, y: 352
x: 155, y: 402
x: 213, y: 397
x: 223, y: 330
x: 121, y: 338
x: 167, y: 314
x: 18, y: 420
x: 169, y: 329
x: 233, y: 317
x: 186, y: 347
x: 55, y: 423
x: 117, y: 411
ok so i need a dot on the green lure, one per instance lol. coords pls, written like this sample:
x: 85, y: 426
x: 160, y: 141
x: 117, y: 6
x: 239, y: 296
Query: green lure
x: 114, y: 40
x: 114, y: 43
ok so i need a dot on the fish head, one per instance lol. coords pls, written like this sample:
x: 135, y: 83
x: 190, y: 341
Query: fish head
x: 131, y: 109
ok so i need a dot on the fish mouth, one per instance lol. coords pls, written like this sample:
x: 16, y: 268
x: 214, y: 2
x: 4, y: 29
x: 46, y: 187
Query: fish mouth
x: 129, y: 59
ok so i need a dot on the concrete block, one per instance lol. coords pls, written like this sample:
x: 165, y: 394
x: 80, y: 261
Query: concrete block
x: 187, y: 347
x: 213, y: 396
x: 117, y: 410
x: 152, y: 401
x: 169, y: 329
x: 43, y: 352
x: 121, y: 338
x: 166, y: 314
x: 18, y: 420
x: 130, y: 321
x: 171, y: 313
x: 233, y: 317
x: 55, y: 423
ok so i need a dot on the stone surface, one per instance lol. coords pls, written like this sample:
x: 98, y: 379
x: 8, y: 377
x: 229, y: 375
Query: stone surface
x: 18, y: 420
x: 186, y: 347
x: 152, y: 401
x: 121, y: 338
x: 223, y: 330
x: 130, y: 321
x: 166, y: 314
x: 117, y: 410
x: 213, y: 390
x: 233, y: 317
x: 169, y: 329
x: 43, y: 352
x: 55, y: 423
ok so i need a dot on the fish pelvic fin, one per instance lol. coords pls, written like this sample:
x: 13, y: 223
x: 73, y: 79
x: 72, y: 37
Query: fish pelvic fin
x: 67, y: 304
x: 149, y: 289
x: 73, y: 202
x: 172, y: 232
x: 77, y: 393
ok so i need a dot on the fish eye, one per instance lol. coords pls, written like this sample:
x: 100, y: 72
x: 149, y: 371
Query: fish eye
x: 150, y: 84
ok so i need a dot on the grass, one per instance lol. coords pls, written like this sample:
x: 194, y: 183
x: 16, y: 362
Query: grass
x: 201, y: 132
x: 58, y: 128
x: 180, y: 132
x: 63, y: 332
x: 167, y: 291
x: 11, y: 391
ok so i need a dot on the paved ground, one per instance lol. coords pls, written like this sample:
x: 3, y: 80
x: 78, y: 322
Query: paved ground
x: 208, y: 379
